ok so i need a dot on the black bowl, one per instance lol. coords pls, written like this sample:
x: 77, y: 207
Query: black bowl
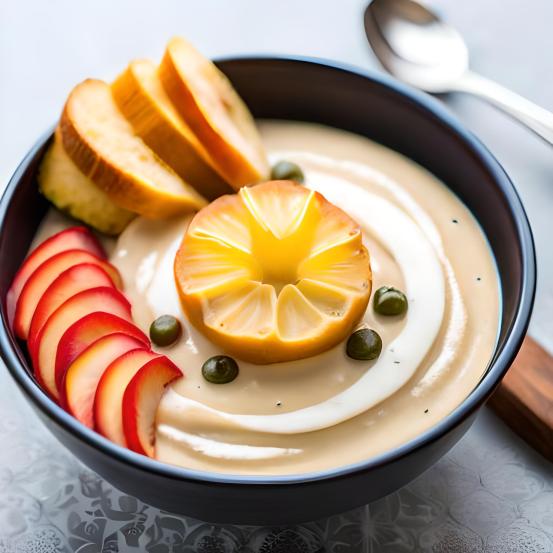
x: 370, y: 105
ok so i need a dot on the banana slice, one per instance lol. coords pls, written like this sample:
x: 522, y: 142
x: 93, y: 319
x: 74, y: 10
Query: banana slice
x: 209, y: 104
x: 273, y: 273
x: 61, y: 182
x: 104, y: 147
x: 143, y: 101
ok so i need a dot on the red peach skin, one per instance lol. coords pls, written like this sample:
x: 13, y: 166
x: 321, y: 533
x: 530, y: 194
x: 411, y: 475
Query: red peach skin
x: 83, y: 375
x: 141, y: 400
x: 44, y: 276
x: 43, y: 355
x: 74, y: 238
x: 86, y: 331
x: 108, y: 403
x: 70, y: 282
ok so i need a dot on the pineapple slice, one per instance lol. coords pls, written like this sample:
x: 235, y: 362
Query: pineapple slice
x: 61, y: 182
x: 273, y: 273
x: 143, y: 101
x: 209, y: 104
x: 102, y: 143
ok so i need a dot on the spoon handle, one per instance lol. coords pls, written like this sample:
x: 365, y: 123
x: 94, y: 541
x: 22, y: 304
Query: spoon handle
x: 533, y: 116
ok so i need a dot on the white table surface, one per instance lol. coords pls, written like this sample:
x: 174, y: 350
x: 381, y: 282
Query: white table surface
x: 491, y: 493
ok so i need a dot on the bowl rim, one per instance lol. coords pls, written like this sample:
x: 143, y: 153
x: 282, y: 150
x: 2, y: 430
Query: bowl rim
x: 496, y: 370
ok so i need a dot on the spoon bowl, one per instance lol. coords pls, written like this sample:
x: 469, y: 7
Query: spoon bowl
x: 415, y: 45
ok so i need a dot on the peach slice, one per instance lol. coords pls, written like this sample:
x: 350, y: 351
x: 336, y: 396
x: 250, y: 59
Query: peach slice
x: 44, y: 276
x: 43, y: 355
x: 74, y: 238
x: 141, y: 400
x: 103, y: 145
x: 83, y: 375
x: 70, y: 282
x: 211, y: 107
x: 143, y: 101
x: 108, y: 403
x: 85, y: 332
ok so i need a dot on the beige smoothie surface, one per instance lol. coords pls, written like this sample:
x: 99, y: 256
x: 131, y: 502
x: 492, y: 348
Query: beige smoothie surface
x: 329, y: 410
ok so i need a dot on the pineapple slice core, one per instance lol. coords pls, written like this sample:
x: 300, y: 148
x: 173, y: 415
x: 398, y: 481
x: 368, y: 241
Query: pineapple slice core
x: 273, y: 273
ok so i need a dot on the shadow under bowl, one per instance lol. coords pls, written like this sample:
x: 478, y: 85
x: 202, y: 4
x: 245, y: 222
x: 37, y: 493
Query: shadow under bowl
x: 382, y: 110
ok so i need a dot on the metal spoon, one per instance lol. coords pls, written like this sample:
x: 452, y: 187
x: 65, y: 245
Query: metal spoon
x: 417, y: 47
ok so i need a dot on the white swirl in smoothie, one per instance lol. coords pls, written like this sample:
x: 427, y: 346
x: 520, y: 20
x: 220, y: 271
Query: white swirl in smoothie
x: 424, y: 281
x: 221, y: 450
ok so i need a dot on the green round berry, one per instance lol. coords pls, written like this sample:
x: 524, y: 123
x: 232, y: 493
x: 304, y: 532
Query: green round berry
x: 287, y: 170
x: 364, y: 345
x: 220, y: 369
x: 389, y: 301
x: 165, y: 330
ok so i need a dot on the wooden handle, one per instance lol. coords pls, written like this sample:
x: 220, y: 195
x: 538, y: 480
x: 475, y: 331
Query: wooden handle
x: 524, y: 400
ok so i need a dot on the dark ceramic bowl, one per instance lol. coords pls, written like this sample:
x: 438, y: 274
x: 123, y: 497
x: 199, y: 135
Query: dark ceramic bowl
x: 370, y: 105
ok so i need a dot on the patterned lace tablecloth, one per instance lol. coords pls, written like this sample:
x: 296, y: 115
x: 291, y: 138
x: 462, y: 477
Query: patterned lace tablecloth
x: 491, y: 494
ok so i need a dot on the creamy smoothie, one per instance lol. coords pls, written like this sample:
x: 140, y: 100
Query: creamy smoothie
x: 329, y: 410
